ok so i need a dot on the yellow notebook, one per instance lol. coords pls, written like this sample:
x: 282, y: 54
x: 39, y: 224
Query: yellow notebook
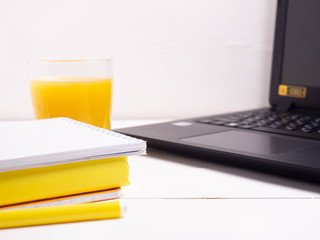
x: 60, y: 214
x: 89, y: 197
x: 64, y: 179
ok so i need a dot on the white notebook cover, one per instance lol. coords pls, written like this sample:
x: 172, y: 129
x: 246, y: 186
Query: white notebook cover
x: 38, y: 143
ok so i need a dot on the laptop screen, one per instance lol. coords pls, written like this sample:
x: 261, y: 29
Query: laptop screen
x: 295, y: 79
x: 301, y: 53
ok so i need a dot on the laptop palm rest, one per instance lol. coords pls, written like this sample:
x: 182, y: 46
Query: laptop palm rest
x: 257, y: 143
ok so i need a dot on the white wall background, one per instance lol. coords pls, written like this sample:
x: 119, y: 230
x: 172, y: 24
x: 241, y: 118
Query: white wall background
x: 170, y: 55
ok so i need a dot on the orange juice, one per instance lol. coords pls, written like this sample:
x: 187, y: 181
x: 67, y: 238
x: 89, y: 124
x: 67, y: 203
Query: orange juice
x: 84, y: 99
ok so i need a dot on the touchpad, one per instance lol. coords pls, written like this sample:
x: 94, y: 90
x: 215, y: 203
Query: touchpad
x: 258, y: 143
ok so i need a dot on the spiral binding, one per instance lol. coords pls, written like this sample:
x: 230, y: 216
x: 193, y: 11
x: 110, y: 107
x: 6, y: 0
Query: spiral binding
x: 101, y: 130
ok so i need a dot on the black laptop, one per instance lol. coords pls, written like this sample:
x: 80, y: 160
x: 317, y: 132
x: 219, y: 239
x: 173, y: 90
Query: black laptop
x: 283, y: 139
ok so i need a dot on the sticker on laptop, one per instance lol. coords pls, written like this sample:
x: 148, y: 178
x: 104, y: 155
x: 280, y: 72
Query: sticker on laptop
x: 292, y: 91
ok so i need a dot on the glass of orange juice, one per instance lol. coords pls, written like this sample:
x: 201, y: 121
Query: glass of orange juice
x: 77, y: 89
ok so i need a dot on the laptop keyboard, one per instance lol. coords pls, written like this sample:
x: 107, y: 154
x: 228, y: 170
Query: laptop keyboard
x: 270, y: 121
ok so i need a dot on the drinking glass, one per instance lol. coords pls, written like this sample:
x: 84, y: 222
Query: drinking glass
x: 77, y: 89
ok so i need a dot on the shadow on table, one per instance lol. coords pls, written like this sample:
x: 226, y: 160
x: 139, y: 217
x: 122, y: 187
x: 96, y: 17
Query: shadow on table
x: 235, y: 170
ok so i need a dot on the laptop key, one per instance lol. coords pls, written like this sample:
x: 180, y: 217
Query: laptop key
x: 292, y: 127
x: 205, y: 121
x: 306, y: 130
x: 210, y: 121
x: 232, y: 124
x: 223, y: 119
x: 217, y: 122
x: 275, y: 125
x: 262, y: 123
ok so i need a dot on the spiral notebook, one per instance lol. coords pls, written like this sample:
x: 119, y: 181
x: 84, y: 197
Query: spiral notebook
x: 39, y: 143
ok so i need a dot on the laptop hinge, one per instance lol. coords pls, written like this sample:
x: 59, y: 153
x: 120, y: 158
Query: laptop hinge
x: 284, y: 106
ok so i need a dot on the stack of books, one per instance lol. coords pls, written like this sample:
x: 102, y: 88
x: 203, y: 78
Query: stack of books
x: 61, y: 170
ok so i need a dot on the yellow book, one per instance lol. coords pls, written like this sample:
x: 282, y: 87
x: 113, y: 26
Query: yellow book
x: 89, y: 197
x: 60, y: 214
x: 65, y: 179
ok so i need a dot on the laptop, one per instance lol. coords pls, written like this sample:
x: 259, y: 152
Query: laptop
x: 283, y: 138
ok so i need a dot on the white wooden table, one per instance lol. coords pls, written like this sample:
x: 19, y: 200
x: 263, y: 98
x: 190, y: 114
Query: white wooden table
x: 175, y: 197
